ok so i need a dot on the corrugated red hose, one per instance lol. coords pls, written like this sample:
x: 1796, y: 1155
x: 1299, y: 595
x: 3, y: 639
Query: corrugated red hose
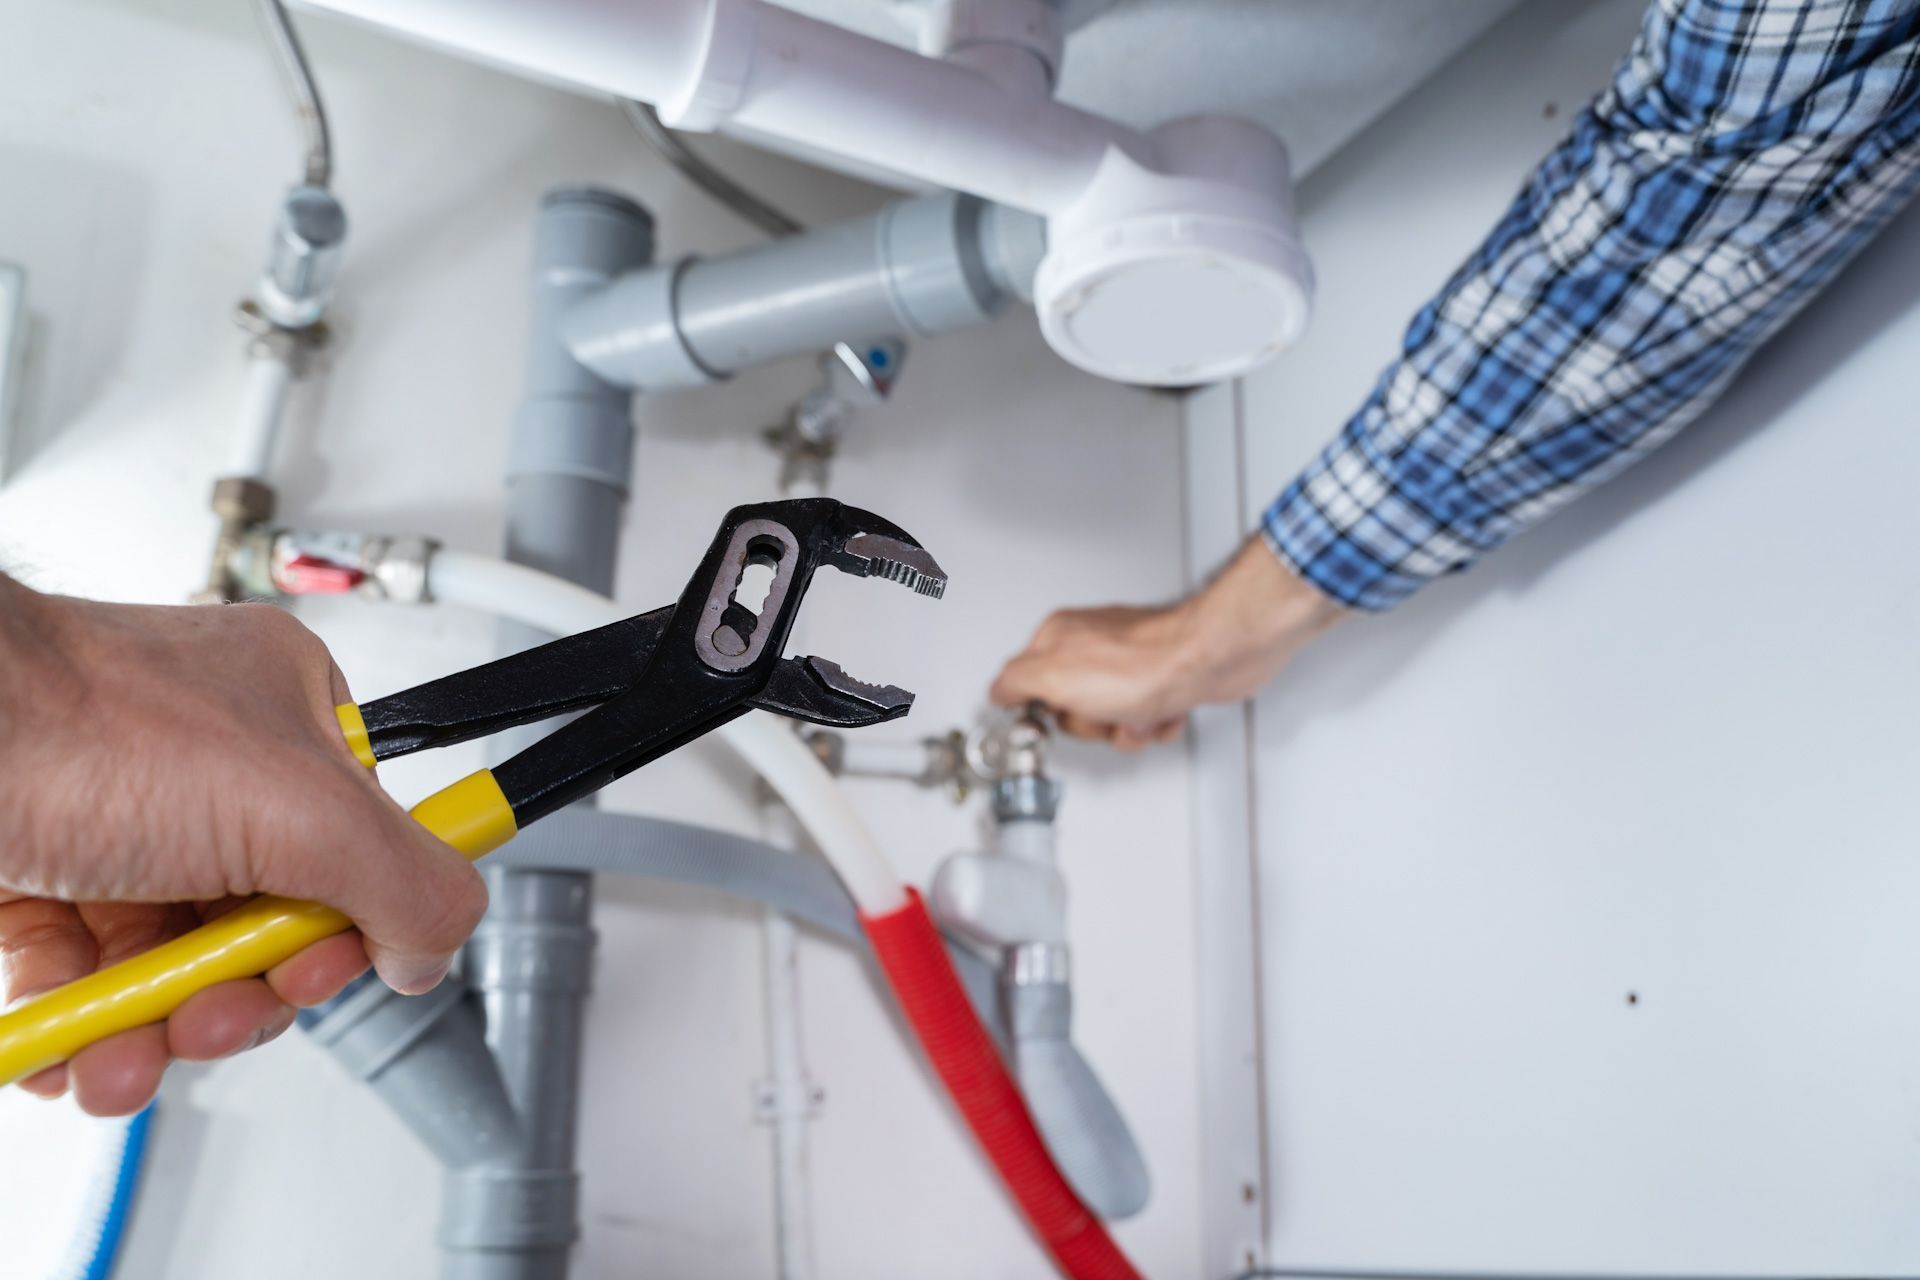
x: 929, y: 991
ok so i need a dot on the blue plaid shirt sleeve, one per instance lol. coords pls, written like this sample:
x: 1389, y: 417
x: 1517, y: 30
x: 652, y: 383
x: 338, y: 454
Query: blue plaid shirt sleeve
x: 1740, y: 156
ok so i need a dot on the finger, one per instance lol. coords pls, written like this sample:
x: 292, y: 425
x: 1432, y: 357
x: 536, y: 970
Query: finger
x: 1130, y: 737
x: 321, y: 971
x: 51, y: 1083
x: 414, y: 898
x: 42, y: 944
x: 226, y: 1019
x: 273, y: 1030
x: 119, y: 1075
x: 113, y: 932
x: 214, y: 908
x: 1049, y: 631
x: 1008, y: 688
x: 412, y: 937
x: 122, y: 929
x: 1075, y: 725
x: 315, y: 974
x: 1029, y: 677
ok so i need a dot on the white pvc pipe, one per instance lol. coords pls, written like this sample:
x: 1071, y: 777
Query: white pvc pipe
x: 647, y: 50
x: 862, y: 758
x: 793, y: 1228
x: 762, y: 68
x: 937, y: 121
x: 515, y: 591
x: 263, y: 406
x: 788, y: 1082
x: 795, y: 773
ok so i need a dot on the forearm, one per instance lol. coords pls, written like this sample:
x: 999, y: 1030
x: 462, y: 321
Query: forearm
x: 1736, y: 163
x: 1246, y: 623
x: 1130, y: 675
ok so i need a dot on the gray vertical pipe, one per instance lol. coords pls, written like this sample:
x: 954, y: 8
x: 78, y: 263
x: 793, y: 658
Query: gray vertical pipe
x: 530, y: 960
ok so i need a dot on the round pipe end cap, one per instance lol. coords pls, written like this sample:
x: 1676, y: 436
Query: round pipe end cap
x: 1174, y: 299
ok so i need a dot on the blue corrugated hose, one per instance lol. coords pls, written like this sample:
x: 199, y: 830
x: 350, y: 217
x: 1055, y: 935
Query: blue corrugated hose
x: 126, y: 1181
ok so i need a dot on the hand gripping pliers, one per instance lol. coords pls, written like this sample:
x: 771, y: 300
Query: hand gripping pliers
x: 655, y: 682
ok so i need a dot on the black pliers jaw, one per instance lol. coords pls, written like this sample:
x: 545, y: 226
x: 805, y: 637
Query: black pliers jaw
x: 660, y: 679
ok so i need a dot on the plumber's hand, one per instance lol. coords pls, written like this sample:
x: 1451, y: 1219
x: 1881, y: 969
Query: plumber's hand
x: 157, y: 765
x: 1129, y: 676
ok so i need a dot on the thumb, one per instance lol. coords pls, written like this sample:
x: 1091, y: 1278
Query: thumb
x: 1030, y: 677
x: 414, y: 898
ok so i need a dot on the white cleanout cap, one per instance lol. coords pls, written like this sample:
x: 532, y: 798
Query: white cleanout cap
x: 1184, y: 273
x: 1174, y: 300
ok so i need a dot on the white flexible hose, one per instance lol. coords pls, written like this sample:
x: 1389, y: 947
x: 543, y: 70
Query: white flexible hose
x: 262, y: 407
x: 909, y: 760
x: 799, y: 778
x: 515, y: 591
x: 795, y: 773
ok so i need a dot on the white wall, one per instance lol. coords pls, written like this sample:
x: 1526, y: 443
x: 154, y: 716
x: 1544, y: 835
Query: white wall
x: 1664, y: 746
x: 142, y: 148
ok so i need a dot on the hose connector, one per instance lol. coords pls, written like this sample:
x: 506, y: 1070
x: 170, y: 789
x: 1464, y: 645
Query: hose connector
x: 309, y: 562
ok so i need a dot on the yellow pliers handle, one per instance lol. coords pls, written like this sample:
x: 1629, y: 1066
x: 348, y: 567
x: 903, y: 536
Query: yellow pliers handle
x: 471, y: 815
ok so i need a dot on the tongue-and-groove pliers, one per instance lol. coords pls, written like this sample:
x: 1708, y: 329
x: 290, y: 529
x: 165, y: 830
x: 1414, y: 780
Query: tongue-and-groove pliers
x: 655, y: 682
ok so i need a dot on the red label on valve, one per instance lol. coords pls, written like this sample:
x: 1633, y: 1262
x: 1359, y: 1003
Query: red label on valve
x: 312, y: 576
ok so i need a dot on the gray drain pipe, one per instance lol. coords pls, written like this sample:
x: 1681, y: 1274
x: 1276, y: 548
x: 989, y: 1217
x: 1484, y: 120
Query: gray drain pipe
x: 917, y: 267
x: 427, y: 1056
x: 569, y: 461
x: 486, y: 1068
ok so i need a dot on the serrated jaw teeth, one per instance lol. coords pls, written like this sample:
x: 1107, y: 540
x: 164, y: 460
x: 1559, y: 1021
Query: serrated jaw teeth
x: 900, y: 562
x: 834, y: 676
x: 908, y: 576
